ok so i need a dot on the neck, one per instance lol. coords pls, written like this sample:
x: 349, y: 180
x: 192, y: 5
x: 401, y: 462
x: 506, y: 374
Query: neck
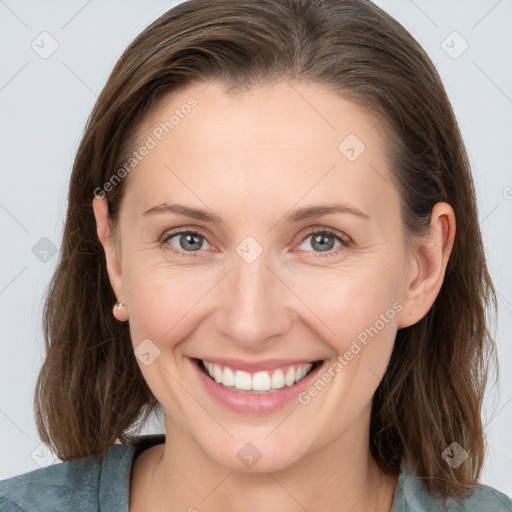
x: 341, y: 476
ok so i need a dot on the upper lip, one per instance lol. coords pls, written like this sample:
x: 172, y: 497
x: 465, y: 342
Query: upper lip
x: 256, y: 366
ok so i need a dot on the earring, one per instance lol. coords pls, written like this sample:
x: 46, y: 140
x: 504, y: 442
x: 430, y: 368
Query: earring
x: 120, y: 312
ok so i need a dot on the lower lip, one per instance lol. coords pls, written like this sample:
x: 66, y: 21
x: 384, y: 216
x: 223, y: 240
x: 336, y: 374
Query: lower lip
x: 247, y: 403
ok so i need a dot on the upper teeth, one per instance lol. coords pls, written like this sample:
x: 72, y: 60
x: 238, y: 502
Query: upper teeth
x: 259, y: 381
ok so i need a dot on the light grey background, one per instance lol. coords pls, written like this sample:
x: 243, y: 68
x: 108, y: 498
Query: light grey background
x: 45, y: 102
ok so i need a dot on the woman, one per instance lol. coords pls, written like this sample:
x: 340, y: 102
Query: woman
x: 275, y: 200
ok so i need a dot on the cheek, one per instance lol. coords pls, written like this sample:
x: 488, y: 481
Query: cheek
x: 158, y: 305
x: 356, y: 304
x: 167, y: 303
x: 160, y: 310
x: 159, y: 293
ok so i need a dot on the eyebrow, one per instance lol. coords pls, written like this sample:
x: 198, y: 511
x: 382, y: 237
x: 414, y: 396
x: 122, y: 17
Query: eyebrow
x: 296, y: 216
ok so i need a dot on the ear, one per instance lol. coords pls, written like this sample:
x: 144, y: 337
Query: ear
x: 112, y: 255
x: 429, y: 258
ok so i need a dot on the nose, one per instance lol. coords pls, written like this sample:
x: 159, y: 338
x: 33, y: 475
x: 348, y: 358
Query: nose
x: 254, y: 306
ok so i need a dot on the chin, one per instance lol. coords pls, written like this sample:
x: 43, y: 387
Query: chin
x: 250, y: 458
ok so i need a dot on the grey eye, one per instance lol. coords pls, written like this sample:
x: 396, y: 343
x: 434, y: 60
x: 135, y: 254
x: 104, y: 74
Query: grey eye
x: 188, y: 241
x: 321, y: 242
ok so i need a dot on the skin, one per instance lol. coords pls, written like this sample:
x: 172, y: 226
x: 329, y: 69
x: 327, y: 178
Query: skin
x: 252, y: 159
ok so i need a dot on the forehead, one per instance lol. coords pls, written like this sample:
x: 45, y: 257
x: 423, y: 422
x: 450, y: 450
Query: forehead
x: 306, y: 115
x: 284, y: 142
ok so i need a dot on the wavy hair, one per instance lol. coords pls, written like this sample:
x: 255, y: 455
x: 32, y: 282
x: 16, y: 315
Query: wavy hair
x: 90, y: 392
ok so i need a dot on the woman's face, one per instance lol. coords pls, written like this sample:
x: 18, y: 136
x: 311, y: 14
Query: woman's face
x: 254, y: 289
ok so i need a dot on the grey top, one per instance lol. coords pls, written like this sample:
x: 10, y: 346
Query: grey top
x: 101, y: 483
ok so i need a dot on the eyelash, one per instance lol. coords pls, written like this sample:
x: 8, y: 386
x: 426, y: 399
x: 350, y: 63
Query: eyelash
x: 343, y: 239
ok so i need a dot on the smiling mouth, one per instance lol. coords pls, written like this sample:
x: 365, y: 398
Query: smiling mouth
x: 262, y: 382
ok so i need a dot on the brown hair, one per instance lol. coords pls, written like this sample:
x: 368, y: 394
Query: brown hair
x: 90, y: 391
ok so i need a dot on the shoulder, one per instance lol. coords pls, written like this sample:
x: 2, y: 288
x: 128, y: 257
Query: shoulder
x: 411, y: 495
x: 74, y: 485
